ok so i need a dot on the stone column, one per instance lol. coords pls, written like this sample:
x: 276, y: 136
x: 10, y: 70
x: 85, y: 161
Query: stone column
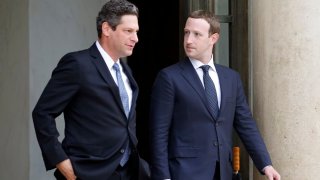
x: 285, y: 49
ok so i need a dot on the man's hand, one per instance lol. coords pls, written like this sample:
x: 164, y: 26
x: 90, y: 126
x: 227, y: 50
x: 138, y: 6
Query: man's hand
x: 66, y: 169
x: 271, y: 173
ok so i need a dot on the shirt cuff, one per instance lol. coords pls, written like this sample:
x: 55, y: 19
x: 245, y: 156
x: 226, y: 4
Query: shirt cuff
x: 265, y: 168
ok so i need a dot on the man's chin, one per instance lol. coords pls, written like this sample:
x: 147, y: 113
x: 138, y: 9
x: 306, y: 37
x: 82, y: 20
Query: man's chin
x: 190, y: 55
x: 126, y: 54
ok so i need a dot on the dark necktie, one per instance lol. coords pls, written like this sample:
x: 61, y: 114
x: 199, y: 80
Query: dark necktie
x: 210, y: 90
x: 125, y: 103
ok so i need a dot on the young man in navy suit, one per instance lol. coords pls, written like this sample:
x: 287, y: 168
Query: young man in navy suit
x: 97, y: 94
x: 195, y: 104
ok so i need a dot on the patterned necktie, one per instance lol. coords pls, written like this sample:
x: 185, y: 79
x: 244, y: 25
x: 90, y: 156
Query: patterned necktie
x: 122, y: 90
x: 210, y: 90
x: 125, y: 103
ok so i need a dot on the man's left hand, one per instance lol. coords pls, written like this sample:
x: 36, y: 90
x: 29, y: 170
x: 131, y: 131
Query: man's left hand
x: 271, y: 173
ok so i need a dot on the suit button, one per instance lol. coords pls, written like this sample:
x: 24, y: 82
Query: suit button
x: 122, y: 151
x: 216, y: 143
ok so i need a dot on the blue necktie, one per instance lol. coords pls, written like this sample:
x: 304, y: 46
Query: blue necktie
x: 125, y: 103
x: 122, y: 90
x: 210, y: 90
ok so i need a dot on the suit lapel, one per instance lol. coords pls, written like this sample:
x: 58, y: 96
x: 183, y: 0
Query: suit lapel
x: 189, y: 73
x: 192, y: 78
x: 133, y: 85
x: 105, y: 73
x: 223, y: 80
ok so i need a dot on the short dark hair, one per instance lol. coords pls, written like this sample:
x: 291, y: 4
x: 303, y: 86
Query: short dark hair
x: 209, y: 17
x: 112, y: 11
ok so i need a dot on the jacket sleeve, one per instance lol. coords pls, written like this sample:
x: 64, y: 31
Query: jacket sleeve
x: 162, y: 102
x: 59, y: 91
x: 248, y: 131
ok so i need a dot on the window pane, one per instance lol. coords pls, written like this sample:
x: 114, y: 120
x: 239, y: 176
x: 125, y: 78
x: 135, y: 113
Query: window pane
x: 222, y: 46
x: 221, y: 7
x: 201, y: 4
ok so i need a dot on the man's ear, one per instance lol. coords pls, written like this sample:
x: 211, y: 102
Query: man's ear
x: 106, y: 28
x: 214, y: 38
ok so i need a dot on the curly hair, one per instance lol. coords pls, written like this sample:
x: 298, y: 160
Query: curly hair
x: 112, y: 11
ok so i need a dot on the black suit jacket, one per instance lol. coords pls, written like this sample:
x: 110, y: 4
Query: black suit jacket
x: 96, y: 127
x: 186, y: 139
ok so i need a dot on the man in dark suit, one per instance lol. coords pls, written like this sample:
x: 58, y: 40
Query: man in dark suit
x: 97, y: 95
x: 195, y: 104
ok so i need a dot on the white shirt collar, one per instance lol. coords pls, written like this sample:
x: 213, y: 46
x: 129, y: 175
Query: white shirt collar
x: 196, y: 63
x: 109, y: 61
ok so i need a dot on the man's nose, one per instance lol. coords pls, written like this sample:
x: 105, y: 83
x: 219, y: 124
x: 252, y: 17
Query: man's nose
x: 135, y: 37
x: 188, y: 39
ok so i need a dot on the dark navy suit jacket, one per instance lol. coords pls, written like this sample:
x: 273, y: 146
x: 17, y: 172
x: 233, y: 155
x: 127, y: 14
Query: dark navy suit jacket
x: 186, y: 141
x: 96, y: 127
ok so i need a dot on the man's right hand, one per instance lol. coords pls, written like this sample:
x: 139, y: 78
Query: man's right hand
x: 65, y: 167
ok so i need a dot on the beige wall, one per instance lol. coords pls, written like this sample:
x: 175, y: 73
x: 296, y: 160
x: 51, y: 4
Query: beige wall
x: 285, y: 79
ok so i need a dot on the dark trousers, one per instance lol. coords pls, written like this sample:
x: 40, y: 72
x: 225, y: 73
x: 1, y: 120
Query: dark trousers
x: 217, y: 172
x: 122, y: 173
x: 127, y: 172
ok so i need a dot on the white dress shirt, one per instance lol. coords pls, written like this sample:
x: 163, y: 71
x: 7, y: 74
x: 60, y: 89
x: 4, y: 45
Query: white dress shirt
x: 109, y: 62
x: 212, y: 73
